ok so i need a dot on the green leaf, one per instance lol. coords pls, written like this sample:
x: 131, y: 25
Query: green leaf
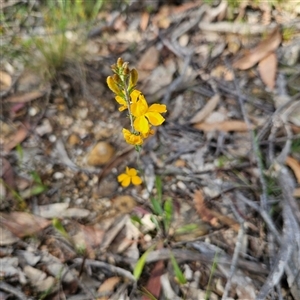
x: 138, y: 269
x: 38, y: 189
x: 158, y: 185
x: 156, y: 206
x: 186, y: 228
x: 136, y: 219
x: 60, y: 228
x: 155, y: 222
x: 168, y: 209
x: 36, y: 177
x: 179, y: 275
x: 20, y: 152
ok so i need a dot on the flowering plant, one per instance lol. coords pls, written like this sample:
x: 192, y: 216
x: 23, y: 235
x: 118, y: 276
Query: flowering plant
x: 142, y: 116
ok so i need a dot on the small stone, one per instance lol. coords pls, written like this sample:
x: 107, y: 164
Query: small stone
x: 46, y: 284
x: 73, y: 140
x: 58, y: 175
x: 52, y: 138
x: 44, y: 128
x: 33, y: 111
x: 100, y: 154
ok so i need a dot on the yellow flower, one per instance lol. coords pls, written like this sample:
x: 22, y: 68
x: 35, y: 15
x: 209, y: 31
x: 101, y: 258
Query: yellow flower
x: 134, y: 97
x: 129, y: 176
x: 145, y: 115
x: 131, y: 138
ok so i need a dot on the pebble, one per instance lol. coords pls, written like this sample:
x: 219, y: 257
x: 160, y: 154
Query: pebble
x: 100, y: 154
x: 73, y: 139
x: 58, y: 175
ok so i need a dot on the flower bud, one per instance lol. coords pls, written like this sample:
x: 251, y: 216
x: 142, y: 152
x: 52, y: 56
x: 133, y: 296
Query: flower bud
x: 117, y: 78
x: 112, y: 85
x: 133, y: 78
x: 126, y: 71
x: 120, y: 62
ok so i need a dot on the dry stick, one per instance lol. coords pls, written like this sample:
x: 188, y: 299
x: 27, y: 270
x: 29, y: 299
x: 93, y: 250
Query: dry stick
x: 237, y: 249
x: 264, y: 216
x: 284, y: 254
x: 10, y: 289
x: 111, y: 268
x: 264, y: 198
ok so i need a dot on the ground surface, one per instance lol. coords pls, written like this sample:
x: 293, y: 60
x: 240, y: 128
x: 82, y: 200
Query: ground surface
x: 227, y: 157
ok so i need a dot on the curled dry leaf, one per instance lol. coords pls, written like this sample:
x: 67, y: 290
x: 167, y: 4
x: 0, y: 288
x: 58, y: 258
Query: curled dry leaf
x: 294, y: 165
x: 23, y: 224
x: 211, y: 216
x: 258, y: 53
x: 230, y: 125
x: 108, y: 286
x: 206, y: 110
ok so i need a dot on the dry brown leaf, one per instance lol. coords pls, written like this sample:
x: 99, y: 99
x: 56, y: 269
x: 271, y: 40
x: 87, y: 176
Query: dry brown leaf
x: 144, y: 20
x: 263, y: 49
x: 5, y: 81
x: 297, y: 193
x: 206, y: 110
x: 154, y: 285
x: 26, y: 97
x: 7, y: 172
x: 204, y: 212
x: 88, y: 237
x: 18, y: 137
x: 211, y: 216
x: 238, y: 126
x: 267, y: 69
x: 108, y: 286
x: 295, y: 166
x: 149, y: 60
x: 23, y: 224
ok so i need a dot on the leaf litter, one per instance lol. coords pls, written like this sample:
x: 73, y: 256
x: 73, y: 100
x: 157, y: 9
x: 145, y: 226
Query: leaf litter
x: 221, y: 156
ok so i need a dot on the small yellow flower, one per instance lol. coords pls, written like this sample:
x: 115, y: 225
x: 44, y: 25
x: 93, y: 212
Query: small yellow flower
x: 130, y: 176
x: 133, y: 97
x: 145, y: 115
x: 131, y: 138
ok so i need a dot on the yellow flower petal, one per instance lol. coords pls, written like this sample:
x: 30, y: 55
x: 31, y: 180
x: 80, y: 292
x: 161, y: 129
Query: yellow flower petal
x: 160, y: 108
x: 131, y: 138
x: 131, y: 172
x: 126, y: 182
x: 155, y: 118
x: 136, y: 180
x: 120, y: 100
x: 141, y: 124
x: 122, y: 177
x: 135, y: 95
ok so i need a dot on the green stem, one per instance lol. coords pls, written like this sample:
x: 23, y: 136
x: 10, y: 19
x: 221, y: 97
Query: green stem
x: 127, y: 99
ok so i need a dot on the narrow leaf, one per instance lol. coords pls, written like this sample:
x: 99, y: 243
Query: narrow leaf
x: 178, y: 273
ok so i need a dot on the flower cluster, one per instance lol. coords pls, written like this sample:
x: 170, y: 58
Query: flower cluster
x: 142, y: 116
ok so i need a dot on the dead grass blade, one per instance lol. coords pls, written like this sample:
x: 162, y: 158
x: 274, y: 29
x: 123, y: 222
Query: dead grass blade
x: 258, y: 53
x: 237, y: 126
x: 27, y: 97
